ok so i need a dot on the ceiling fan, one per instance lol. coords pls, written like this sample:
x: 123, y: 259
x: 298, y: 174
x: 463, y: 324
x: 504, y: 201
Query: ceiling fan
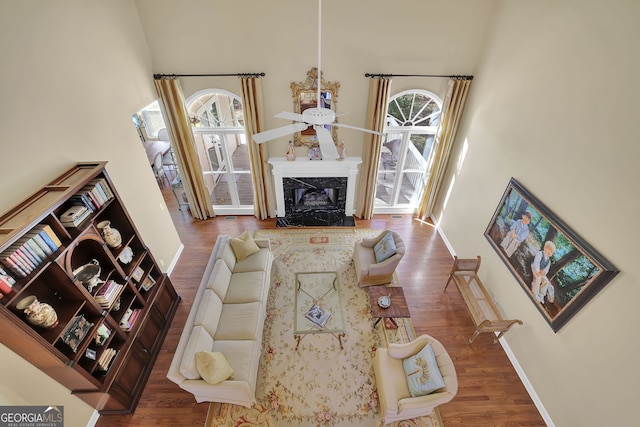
x: 318, y: 117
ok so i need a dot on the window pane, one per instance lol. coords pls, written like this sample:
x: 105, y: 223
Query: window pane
x: 152, y: 119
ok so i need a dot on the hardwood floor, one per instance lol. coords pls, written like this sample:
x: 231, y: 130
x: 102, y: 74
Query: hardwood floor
x: 490, y: 393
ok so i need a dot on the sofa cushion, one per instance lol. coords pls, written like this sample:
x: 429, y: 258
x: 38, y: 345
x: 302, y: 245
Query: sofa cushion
x: 256, y: 262
x: 423, y: 374
x: 199, y: 340
x: 385, y: 248
x: 240, y: 322
x: 213, y: 366
x: 243, y: 246
x: 209, y: 311
x: 220, y: 279
x: 247, y: 287
x: 243, y: 356
x: 227, y: 255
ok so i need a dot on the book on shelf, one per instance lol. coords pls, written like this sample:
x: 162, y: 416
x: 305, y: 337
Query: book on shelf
x: 43, y: 248
x: 35, y: 248
x: 48, y: 235
x: 97, y: 192
x: 74, y: 216
x: 318, y: 316
x: 108, y: 294
x: 106, y: 358
x: 82, y: 199
x: 73, y: 213
x: 4, y: 274
x: 6, y: 285
x: 102, y: 186
x: 9, y: 261
x: 129, y: 319
x: 26, y: 254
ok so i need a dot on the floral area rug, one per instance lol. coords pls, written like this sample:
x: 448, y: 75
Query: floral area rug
x: 319, y: 384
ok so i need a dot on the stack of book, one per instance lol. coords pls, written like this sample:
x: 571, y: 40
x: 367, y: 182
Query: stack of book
x: 6, y: 283
x: 318, y: 316
x: 24, y: 256
x: 108, y: 294
x: 74, y: 216
x: 106, y: 358
x: 129, y: 319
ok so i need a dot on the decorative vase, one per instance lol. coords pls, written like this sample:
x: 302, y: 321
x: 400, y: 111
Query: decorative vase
x: 38, y: 313
x: 342, y: 152
x: 291, y: 154
x: 110, y: 235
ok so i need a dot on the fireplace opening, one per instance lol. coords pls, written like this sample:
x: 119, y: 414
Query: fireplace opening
x: 313, y: 198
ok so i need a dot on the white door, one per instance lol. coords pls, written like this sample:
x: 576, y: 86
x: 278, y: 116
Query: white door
x: 218, y: 129
x: 411, y: 124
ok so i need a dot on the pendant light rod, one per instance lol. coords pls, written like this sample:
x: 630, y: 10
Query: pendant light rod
x: 318, y: 83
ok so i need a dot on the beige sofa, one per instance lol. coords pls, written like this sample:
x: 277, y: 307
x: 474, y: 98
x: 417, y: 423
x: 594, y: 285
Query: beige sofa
x: 227, y: 316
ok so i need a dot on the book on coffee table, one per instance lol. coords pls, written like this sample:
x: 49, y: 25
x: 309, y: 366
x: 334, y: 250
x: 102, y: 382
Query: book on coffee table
x: 318, y: 316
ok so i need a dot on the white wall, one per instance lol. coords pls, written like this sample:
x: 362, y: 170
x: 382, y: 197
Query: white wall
x: 555, y: 105
x: 66, y: 64
x: 280, y: 39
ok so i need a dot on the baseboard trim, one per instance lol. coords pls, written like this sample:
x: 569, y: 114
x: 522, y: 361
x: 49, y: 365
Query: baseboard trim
x: 94, y: 419
x: 505, y: 346
x: 175, y: 259
x: 525, y: 381
x: 436, y: 224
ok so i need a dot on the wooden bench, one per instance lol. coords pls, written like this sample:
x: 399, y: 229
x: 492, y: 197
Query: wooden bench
x: 483, y: 311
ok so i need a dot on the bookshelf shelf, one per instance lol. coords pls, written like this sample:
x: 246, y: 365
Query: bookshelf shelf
x: 109, y: 329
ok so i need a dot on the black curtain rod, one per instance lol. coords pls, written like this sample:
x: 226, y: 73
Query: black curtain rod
x: 161, y: 76
x: 456, y: 77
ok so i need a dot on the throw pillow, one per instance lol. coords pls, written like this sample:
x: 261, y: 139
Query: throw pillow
x: 423, y: 374
x: 243, y: 246
x: 213, y: 366
x: 385, y: 248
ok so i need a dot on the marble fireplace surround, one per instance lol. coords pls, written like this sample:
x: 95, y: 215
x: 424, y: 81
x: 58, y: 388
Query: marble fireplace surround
x: 305, y: 168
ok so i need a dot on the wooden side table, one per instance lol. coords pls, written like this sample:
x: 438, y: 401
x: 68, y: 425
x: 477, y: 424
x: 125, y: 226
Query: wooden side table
x: 398, y: 306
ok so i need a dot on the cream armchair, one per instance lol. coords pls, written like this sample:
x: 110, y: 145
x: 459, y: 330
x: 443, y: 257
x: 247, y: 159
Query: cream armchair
x: 396, y: 403
x: 368, y: 270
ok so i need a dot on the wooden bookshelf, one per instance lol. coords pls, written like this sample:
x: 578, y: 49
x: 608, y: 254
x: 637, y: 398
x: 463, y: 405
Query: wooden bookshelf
x: 41, y: 256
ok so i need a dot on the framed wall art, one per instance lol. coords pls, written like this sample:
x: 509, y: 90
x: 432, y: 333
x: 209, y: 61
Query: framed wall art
x: 557, y: 269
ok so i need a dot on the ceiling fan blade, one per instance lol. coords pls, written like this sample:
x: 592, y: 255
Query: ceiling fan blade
x: 290, y: 116
x: 327, y: 146
x: 268, y: 135
x: 356, y: 128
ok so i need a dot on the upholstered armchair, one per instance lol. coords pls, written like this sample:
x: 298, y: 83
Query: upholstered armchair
x: 396, y: 403
x: 368, y: 270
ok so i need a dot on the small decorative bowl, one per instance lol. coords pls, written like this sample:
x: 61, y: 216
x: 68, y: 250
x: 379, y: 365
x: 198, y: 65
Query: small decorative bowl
x: 384, y: 301
x: 126, y: 256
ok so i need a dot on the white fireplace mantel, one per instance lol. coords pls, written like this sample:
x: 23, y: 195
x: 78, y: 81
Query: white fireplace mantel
x: 305, y: 168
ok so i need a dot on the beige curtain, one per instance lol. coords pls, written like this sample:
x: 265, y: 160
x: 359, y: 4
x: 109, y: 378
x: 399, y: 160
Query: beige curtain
x: 177, y: 122
x: 368, y: 176
x: 452, y: 109
x: 263, y: 194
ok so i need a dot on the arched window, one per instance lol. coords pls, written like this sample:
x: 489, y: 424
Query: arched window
x: 411, y: 124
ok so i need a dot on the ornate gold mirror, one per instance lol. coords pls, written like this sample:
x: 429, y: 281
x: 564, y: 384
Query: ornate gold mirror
x: 305, y: 96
